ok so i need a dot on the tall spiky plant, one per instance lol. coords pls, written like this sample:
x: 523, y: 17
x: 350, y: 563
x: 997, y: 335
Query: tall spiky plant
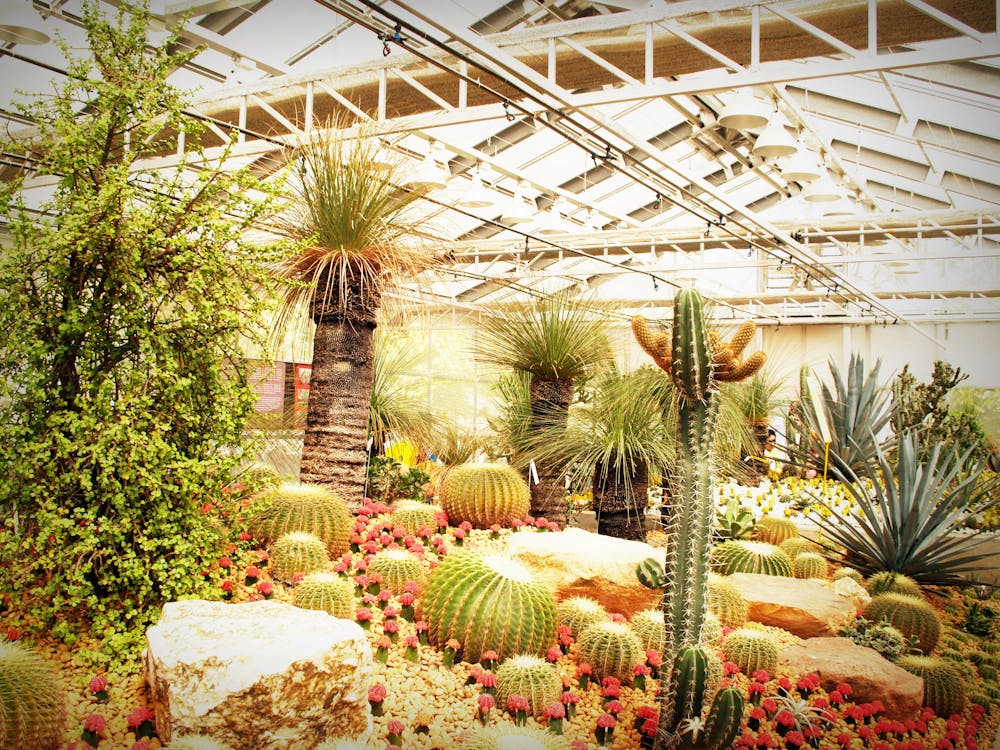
x: 360, y: 237
x: 395, y: 409
x: 556, y: 340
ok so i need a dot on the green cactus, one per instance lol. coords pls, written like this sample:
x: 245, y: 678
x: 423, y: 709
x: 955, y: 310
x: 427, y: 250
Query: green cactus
x: 809, y: 565
x: 577, y: 612
x: 796, y: 545
x: 259, y: 476
x: 888, y: 582
x: 298, y: 552
x: 845, y: 571
x: 612, y: 649
x: 982, y: 699
x: 775, y: 529
x: 531, y: 677
x: 726, y: 601
x: 327, y: 592
x: 488, y: 602
x: 741, y: 556
x: 711, y: 630
x: 943, y: 688
x: 913, y: 616
x: 751, y: 649
x: 650, y: 629
x: 724, y: 719
x: 511, y: 737
x: 32, y: 700
x: 484, y: 494
x: 311, y: 508
x: 988, y: 672
x: 195, y: 742
x: 397, y: 566
x: 412, y: 514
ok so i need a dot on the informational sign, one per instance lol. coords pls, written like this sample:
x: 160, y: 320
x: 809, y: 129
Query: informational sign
x: 303, y: 373
x: 268, y: 381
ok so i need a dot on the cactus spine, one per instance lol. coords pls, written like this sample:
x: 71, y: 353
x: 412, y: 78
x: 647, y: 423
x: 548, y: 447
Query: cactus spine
x: 775, y: 529
x: 695, y: 362
x: 911, y: 615
x: 32, y: 700
x: 888, y: 582
x: 511, y: 737
x: 531, y: 677
x: 484, y: 494
x: 650, y: 629
x: 726, y: 601
x: 809, y: 565
x: 943, y: 688
x: 298, y: 552
x: 796, y: 545
x: 412, y: 514
x: 612, y: 649
x: 742, y: 556
x: 196, y: 742
x: 327, y: 592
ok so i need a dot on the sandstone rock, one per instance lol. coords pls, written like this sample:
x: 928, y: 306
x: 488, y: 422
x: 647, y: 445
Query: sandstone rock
x: 575, y: 562
x: 805, y: 607
x: 870, y: 675
x: 261, y: 675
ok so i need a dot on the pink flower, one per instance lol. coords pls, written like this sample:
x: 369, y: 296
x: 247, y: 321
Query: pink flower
x: 616, y: 617
x: 140, y: 745
x: 138, y: 716
x: 390, y: 612
x: 412, y: 641
x: 614, y: 707
x: 390, y: 626
x: 487, y: 680
x: 570, y: 698
x: 95, y: 723
x: 363, y: 614
x: 395, y: 726
x: 406, y: 599
x: 606, y: 721
x: 486, y: 702
x: 420, y: 625
x: 555, y: 711
x: 225, y: 562
x: 383, y: 642
x: 98, y: 683
x: 377, y: 693
x: 654, y: 658
x: 553, y: 654
x: 584, y: 668
x: 517, y: 703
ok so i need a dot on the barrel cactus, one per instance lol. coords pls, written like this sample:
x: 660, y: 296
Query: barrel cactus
x: 726, y: 601
x: 578, y: 612
x: 32, y: 700
x: 196, y: 742
x: 796, y: 545
x: 912, y: 615
x: 484, y: 495
x: 530, y: 677
x: 488, y: 602
x: 311, y: 508
x: 397, y: 567
x: 943, y: 688
x: 741, y: 556
x: 711, y: 631
x: 650, y: 628
x: 612, y: 649
x: 809, y: 565
x: 889, y: 582
x: 846, y: 571
x: 327, y: 592
x: 298, y: 553
x: 508, y: 736
x: 751, y: 649
x: 775, y: 529
x: 411, y: 515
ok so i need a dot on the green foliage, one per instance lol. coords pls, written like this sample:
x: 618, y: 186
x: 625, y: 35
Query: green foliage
x: 411, y: 515
x: 775, y: 529
x: 506, y: 735
x: 389, y: 480
x: 299, y: 506
x: 912, y: 616
x: 612, y: 649
x: 741, y: 556
x: 943, y: 688
x: 126, y: 300
x: 487, y: 603
x: 809, y: 565
x: 980, y: 619
x: 453, y: 444
x: 298, y: 553
x: 395, y: 409
x: 751, y: 649
x: 396, y: 566
x: 484, y: 494
x: 578, y: 612
x: 32, y: 700
x: 650, y: 628
x: 532, y: 678
x: 735, y: 521
x: 884, y: 638
x: 726, y: 601
x: 887, y: 581
x: 327, y: 592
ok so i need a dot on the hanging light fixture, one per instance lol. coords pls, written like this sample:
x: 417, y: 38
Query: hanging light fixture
x: 552, y: 220
x: 774, y: 140
x: 843, y: 206
x: 822, y: 190
x: 477, y: 196
x: 430, y: 175
x: 521, y: 208
x: 802, y: 166
x: 19, y: 24
x: 743, y: 111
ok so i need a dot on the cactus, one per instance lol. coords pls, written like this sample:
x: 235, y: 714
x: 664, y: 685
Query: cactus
x: 650, y: 629
x: 988, y: 672
x: 259, y: 476
x: 711, y: 630
x: 578, y: 612
x: 484, y: 494
x: 412, y: 514
x: 796, y: 545
x: 695, y: 675
x: 809, y: 565
x: 881, y: 636
x: 511, y: 737
x: 397, y: 566
x: 846, y: 571
x: 298, y: 552
x: 889, y: 582
x: 311, y: 508
x: 612, y: 649
x: 775, y: 529
x: 196, y: 742
x: 913, y: 616
x: 327, y: 592
x: 724, y: 719
x: 943, y: 689
x: 531, y: 677
x: 740, y: 556
x: 32, y: 700
x: 726, y: 601
x: 751, y: 649
x: 490, y: 602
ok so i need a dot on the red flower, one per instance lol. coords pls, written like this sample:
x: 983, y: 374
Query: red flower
x: 645, y: 712
x: 362, y: 614
x: 245, y: 536
x: 395, y: 726
x: 583, y: 668
x: 795, y: 738
x: 844, y: 689
x: 836, y: 697
x: 140, y: 745
x: 844, y: 738
x: 411, y: 641
x: 138, y: 716
x: 616, y: 617
x: 770, y: 705
x: 756, y: 687
x: 98, y: 683
x: 517, y: 703
x: 784, y: 718
x: 611, y: 691
x: 648, y: 727
x: 570, y: 698
x: 252, y: 571
x: 376, y: 693
x: 808, y: 681
x: 486, y: 702
x: 761, y: 675
x: 730, y: 668
x: 487, y: 679
x: 764, y: 739
x: 226, y: 585
x: 489, y: 655
x: 265, y: 588
x: 406, y: 599
x: 654, y: 658
x: 614, y: 707
x: 95, y: 723
x: 555, y: 711
x: 459, y: 533
x: 225, y: 562
x: 420, y: 625
x: 553, y: 654
x: 641, y: 670
x: 606, y: 721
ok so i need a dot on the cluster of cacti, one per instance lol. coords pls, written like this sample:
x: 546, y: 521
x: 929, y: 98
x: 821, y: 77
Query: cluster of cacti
x: 311, y: 508
x: 888, y: 582
x: 796, y: 545
x: 488, y: 602
x: 846, y: 571
x: 943, y: 688
x: 531, y: 677
x: 612, y: 649
x: 751, y: 649
x: 650, y: 629
x: 693, y: 681
x: 507, y: 736
x: 913, y: 616
x: 411, y: 515
x: 578, y: 612
x: 327, y: 592
x: 775, y: 529
x: 32, y: 700
x: 196, y: 742
x: 298, y: 553
x: 809, y: 565
x: 484, y: 495
x: 726, y: 601
x: 696, y: 360
x: 741, y: 556
x: 397, y: 567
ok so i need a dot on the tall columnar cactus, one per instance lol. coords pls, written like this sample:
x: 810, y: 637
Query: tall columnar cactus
x: 488, y: 602
x: 397, y: 567
x: 327, y: 592
x: 311, y: 508
x: 531, y: 677
x: 612, y: 649
x: 298, y: 553
x: 484, y: 494
x: 696, y: 360
x: 32, y: 700
x: 913, y: 616
x: 944, y: 690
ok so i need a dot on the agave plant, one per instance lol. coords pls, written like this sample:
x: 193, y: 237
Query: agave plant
x: 912, y: 517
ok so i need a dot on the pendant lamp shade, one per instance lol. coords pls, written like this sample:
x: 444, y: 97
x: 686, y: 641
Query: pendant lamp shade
x: 477, y: 196
x: 520, y: 208
x: 552, y: 221
x: 840, y: 207
x: 430, y: 175
x: 823, y: 190
x: 744, y: 111
x: 802, y: 166
x: 774, y: 141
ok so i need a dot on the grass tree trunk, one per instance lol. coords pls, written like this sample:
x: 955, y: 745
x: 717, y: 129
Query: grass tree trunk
x: 550, y: 400
x: 620, y: 506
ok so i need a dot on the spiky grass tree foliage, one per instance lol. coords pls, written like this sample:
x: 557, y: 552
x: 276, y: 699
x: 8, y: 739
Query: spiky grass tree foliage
x: 757, y: 400
x: 913, y: 616
x: 741, y: 556
x: 751, y: 649
x: 912, y: 515
x: 578, y: 612
x: 508, y: 736
x: 298, y: 506
x: 412, y: 514
x: 555, y: 340
x: 531, y: 677
x: 327, y: 592
x: 775, y: 529
x: 944, y: 690
x: 612, y: 649
x: 298, y: 553
x: 490, y: 602
x: 359, y: 234
x: 32, y: 700
x: 484, y: 495
x: 397, y: 567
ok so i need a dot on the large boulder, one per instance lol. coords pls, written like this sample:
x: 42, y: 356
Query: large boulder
x: 261, y: 675
x: 806, y: 607
x: 870, y: 675
x: 575, y: 562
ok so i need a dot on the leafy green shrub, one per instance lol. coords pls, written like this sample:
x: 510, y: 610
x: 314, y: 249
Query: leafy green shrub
x: 980, y: 619
x: 389, y: 480
x: 735, y: 521
x: 32, y: 700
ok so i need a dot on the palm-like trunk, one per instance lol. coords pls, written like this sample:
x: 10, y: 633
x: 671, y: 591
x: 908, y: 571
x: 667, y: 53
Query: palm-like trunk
x: 621, y: 507
x: 550, y: 399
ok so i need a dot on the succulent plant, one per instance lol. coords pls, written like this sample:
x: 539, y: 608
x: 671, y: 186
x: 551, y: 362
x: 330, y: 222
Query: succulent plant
x: 889, y: 582
x: 327, y: 592
x: 987, y: 672
x: 796, y: 545
x: 650, y: 628
x: 881, y: 636
x: 512, y: 737
x: 741, y: 556
x: 809, y: 565
x: 488, y: 602
x: 298, y: 506
x: 711, y: 631
x: 751, y: 649
x: 196, y: 742
x: 412, y: 514
x: 612, y: 649
x: 32, y: 700
x: 298, y: 552
x: 259, y: 476
x: 775, y: 529
x: 726, y: 601
x: 529, y: 676
x: 943, y: 688
x: 484, y: 494
x: 913, y: 616
x: 396, y: 566
x: 846, y: 571
x: 695, y: 675
x: 577, y: 612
